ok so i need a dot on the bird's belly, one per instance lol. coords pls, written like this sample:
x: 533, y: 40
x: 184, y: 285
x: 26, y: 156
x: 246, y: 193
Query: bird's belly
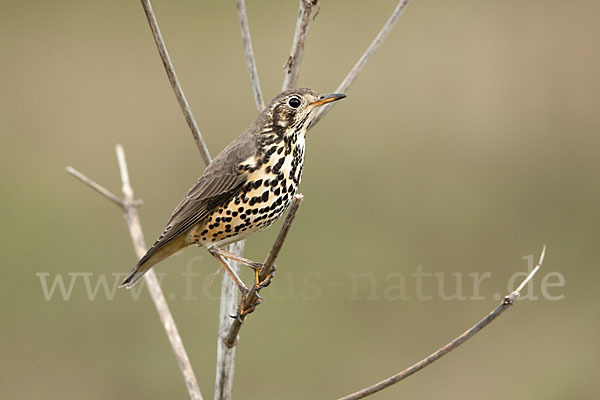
x: 241, y: 218
x: 246, y: 214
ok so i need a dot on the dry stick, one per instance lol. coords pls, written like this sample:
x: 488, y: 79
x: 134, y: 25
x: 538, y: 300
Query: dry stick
x: 250, y: 61
x: 294, y: 61
x: 506, y: 303
x: 129, y: 207
x: 349, y: 79
x: 266, y: 270
x: 166, y: 60
x: 135, y: 230
x: 98, y: 188
x: 228, y: 306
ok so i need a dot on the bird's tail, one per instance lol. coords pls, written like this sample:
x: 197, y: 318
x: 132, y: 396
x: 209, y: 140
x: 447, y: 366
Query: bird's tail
x: 152, y: 257
x: 135, y: 275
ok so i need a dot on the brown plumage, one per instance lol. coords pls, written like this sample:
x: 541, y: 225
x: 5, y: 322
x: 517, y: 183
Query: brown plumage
x: 247, y: 186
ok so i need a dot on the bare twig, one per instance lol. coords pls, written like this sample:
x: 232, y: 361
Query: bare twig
x: 358, y: 67
x: 129, y: 208
x: 506, y: 303
x: 225, y: 354
x: 294, y: 61
x: 250, y: 61
x: 97, y: 187
x: 266, y: 270
x: 166, y: 60
x: 135, y: 230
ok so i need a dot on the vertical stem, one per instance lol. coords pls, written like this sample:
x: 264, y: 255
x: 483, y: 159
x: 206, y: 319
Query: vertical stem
x: 226, y: 354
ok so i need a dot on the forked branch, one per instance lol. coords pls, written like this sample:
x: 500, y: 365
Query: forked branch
x: 226, y: 354
x: 225, y: 361
x: 129, y: 207
x: 508, y: 301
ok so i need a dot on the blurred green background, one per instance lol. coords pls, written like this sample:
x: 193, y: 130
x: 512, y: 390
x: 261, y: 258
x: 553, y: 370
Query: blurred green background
x: 470, y: 139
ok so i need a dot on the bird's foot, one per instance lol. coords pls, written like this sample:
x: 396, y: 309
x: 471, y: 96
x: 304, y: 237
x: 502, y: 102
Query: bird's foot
x: 259, y: 284
x: 245, y: 309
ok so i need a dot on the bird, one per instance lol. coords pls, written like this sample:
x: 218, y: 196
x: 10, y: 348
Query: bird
x: 245, y: 188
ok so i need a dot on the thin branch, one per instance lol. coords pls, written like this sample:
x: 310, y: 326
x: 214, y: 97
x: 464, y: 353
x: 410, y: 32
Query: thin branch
x: 250, y: 61
x: 267, y: 269
x: 294, y: 61
x: 353, y: 74
x: 166, y: 60
x: 506, y: 303
x: 135, y: 230
x: 226, y: 355
x: 97, y: 187
x: 129, y: 207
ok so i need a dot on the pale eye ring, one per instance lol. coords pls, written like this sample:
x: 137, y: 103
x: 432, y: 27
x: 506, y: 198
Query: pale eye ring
x: 294, y: 102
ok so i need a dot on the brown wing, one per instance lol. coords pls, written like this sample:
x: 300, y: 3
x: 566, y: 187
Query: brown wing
x: 220, y: 182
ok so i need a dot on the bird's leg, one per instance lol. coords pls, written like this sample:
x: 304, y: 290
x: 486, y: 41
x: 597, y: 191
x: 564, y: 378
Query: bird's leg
x: 224, y: 253
x: 238, y: 281
x: 256, y: 266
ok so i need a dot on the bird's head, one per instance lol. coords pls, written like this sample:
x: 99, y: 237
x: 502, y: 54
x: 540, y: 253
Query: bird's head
x: 294, y: 109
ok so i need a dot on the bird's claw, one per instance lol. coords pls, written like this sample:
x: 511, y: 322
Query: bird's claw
x: 242, y: 310
x: 255, y: 289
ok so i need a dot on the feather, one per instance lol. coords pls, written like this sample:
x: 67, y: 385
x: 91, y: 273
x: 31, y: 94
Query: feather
x: 220, y: 182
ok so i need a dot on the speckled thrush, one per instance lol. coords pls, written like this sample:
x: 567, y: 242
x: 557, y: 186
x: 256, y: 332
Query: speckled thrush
x: 246, y: 187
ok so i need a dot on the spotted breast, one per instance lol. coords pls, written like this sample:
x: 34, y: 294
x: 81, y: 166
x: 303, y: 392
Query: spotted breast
x: 274, y: 174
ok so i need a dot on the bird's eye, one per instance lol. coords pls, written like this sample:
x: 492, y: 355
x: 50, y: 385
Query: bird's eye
x: 294, y: 102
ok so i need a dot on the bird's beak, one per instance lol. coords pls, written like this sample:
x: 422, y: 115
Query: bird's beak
x: 328, y: 98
